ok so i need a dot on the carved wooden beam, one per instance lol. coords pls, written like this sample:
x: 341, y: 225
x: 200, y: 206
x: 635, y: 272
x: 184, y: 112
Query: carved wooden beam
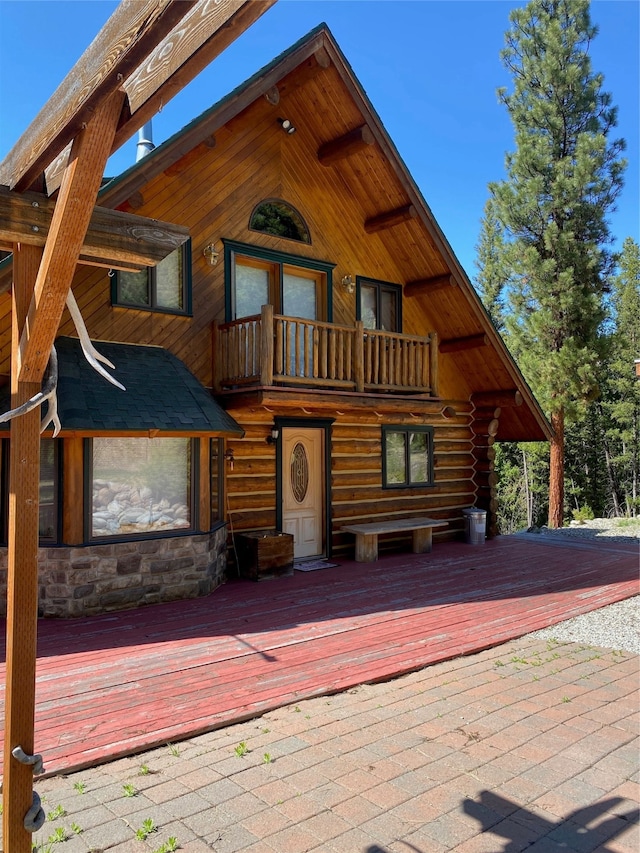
x: 352, y: 142
x: 459, y: 344
x: 501, y: 398
x: 429, y: 285
x: 114, y: 239
x: 126, y: 40
x: 151, y: 49
x: 389, y: 219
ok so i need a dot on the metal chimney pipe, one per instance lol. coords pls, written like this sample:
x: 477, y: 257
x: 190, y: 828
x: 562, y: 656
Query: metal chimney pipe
x: 145, y: 141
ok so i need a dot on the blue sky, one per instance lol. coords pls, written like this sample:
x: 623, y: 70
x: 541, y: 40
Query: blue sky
x: 430, y: 68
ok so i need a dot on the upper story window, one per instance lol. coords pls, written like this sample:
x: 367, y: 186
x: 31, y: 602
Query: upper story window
x: 280, y: 219
x: 379, y: 305
x: 296, y: 287
x: 165, y: 287
x: 407, y: 456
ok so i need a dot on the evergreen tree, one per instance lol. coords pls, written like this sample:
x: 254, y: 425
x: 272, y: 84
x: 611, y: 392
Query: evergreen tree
x: 562, y: 179
x: 623, y: 403
x: 492, y: 278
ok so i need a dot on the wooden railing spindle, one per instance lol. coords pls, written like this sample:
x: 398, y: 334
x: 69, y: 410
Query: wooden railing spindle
x: 312, y: 352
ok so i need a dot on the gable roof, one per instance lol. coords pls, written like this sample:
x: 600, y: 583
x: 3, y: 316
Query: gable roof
x: 161, y: 396
x: 398, y: 216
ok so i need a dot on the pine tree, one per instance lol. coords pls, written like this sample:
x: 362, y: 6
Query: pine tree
x: 562, y: 179
x: 623, y: 403
x: 492, y: 278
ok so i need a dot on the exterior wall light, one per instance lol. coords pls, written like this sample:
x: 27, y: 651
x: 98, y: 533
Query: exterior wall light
x: 286, y: 125
x: 348, y: 283
x: 211, y: 254
x: 272, y: 438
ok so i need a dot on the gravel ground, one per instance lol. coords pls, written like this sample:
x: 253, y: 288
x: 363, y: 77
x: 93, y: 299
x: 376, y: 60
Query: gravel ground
x: 619, y: 528
x: 616, y: 626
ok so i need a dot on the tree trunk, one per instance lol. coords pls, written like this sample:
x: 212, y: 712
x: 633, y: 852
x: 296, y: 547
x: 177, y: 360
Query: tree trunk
x: 527, y: 490
x: 556, y: 470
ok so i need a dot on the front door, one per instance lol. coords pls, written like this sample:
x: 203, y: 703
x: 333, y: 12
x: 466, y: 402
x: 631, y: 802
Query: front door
x: 302, y: 489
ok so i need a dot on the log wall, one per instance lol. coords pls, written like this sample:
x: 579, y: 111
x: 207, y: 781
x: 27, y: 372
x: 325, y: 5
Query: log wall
x: 356, y: 473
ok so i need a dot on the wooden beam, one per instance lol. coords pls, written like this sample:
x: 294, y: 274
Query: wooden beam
x: 204, y: 30
x: 22, y: 573
x: 486, y: 426
x: 460, y: 344
x: 352, y: 142
x: 126, y: 40
x: 114, y: 239
x: 203, y: 33
x: 390, y: 218
x: 500, y: 398
x: 429, y: 285
x: 273, y: 96
x: 69, y: 224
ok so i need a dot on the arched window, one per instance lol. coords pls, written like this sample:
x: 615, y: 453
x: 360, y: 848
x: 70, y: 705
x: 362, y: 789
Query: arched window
x: 276, y: 217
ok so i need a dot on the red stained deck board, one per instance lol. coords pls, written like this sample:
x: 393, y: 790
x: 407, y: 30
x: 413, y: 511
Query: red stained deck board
x: 119, y: 683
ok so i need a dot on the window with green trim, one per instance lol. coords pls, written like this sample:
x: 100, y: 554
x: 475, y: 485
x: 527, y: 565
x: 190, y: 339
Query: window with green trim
x: 295, y: 286
x: 165, y: 287
x: 379, y: 304
x: 407, y: 456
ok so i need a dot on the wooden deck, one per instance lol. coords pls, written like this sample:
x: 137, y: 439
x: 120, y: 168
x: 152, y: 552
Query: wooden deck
x: 120, y: 683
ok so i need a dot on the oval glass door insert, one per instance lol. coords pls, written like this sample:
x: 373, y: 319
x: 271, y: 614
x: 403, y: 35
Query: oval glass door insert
x: 299, y: 472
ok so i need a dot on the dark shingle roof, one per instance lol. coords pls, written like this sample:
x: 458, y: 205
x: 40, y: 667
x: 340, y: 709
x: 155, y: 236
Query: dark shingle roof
x: 161, y: 393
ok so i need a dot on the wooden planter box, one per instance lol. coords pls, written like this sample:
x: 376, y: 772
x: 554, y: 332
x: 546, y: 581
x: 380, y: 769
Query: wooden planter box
x: 264, y: 554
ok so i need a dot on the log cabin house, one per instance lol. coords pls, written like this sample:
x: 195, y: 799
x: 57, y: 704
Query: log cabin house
x: 314, y: 356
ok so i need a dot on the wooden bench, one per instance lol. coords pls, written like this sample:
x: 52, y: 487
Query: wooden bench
x: 367, y: 535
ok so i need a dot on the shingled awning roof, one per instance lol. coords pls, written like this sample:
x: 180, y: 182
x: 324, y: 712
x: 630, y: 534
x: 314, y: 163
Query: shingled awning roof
x: 161, y: 395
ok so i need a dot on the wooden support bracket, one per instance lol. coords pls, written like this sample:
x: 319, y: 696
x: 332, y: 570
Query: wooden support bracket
x: 390, y: 218
x: 429, y: 285
x: 505, y: 399
x: 352, y: 142
x: 460, y: 344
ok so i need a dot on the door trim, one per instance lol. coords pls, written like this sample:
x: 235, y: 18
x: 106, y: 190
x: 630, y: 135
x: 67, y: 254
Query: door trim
x: 307, y: 423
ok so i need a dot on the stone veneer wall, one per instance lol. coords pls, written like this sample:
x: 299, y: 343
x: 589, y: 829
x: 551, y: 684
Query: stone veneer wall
x: 84, y: 580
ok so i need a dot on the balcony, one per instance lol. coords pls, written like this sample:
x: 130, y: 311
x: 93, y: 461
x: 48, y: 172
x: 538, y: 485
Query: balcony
x: 270, y: 349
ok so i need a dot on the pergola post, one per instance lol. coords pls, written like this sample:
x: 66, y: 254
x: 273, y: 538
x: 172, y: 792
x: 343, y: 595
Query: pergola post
x: 22, y: 581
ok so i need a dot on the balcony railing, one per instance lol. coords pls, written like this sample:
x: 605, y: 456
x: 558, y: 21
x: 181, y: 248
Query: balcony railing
x: 271, y: 349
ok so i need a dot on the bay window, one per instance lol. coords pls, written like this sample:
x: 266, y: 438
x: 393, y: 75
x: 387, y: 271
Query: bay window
x: 140, y: 486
